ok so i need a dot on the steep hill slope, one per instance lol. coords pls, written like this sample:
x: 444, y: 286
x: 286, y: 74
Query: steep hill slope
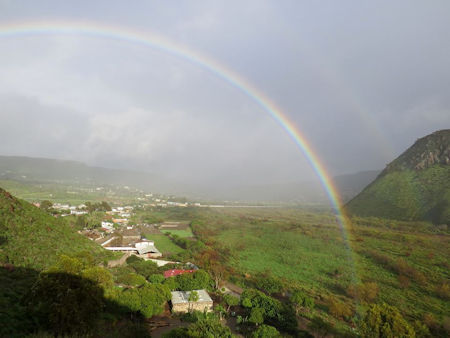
x: 415, y: 186
x: 31, y: 238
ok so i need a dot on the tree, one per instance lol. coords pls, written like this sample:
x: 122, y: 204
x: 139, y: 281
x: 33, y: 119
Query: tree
x: 105, y: 206
x: 156, y: 279
x: 220, y: 310
x: 208, y: 328
x: 338, y: 309
x: 385, y: 321
x: 251, y: 298
x: 66, y: 264
x: 153, y: 298
x: 266, y: 331
x: 46, y: 205
x: 131, y: 279
x: 193, y: 296
x: 64, y: 303
x: 268, y: 284
x: 301, y: 300
x: 230, y: 300
x: 193, y: 281
x: 214, y: 261
x: 148, y: 300
x: 99, y: 275
x: 256, y: 316
x: 144, y: 268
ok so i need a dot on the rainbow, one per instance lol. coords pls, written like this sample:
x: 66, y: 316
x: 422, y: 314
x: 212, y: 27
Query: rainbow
x: 167, y: 46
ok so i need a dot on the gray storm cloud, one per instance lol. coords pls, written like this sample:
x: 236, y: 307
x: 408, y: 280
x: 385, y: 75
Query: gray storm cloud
x: 361, y: 81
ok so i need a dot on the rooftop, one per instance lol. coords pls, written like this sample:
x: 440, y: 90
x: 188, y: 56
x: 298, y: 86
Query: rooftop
x: 179, y: 297
x: 176, y: 272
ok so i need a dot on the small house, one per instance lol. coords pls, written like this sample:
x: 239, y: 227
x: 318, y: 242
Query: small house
x: 183, y: 302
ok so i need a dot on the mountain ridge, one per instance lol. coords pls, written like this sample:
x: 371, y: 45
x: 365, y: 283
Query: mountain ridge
x: 414, y: 186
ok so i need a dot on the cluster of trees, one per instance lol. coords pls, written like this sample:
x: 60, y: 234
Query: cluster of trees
x: 148, y: 299
x: 382, y: 320
x: 138, y: 271
x: 68, y: 297
x: 203, y: 325
x: 99, y: 206
x: 267, y: 283
x: 262, y: 308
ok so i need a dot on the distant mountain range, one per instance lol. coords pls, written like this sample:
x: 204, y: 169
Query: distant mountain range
x: 415, y: 186
x: 27, y: 169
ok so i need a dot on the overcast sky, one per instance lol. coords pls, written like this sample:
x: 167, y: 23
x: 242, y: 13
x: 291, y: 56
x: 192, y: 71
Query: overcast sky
x: 361, y: 81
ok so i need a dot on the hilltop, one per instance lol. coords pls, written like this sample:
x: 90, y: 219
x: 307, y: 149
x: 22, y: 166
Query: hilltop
x: 29, y: 237
x: 415, y: 186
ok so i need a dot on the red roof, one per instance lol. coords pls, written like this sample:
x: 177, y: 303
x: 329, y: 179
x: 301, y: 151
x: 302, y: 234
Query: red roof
x: 176, y: 272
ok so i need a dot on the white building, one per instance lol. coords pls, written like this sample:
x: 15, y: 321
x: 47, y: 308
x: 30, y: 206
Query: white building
x: 181, y: 303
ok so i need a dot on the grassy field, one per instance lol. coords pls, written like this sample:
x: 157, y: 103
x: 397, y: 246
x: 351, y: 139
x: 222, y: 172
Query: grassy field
x: 165, y: 244
x: 180, y: 233
x: 407, y: 261
x: 60, y: 193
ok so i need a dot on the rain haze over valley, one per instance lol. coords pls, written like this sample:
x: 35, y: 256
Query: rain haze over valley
x: 358, y: 81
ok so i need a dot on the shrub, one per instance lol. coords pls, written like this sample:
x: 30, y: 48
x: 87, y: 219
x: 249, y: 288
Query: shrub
x: 156, y: 278
x: 99, y: 275
x: 131, y: 279
x: 193, y: 281
x: 268, y: 284
x: 252, y: 298
x: 385, y: 321
x: 339, y: 309
x: 133, y: 259
x: 208, y: 327
x: 64, y: 303
x: 256, y: 316
x: 230, y: 300
x: 266, y: 331
x: 366, y: 292
x: 301, y: 300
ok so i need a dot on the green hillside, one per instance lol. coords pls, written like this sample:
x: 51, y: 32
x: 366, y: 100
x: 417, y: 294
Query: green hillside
x: 29, y: 237
x: 415, y: 186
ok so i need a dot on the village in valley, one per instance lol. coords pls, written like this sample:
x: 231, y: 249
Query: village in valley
x: 117, y: 228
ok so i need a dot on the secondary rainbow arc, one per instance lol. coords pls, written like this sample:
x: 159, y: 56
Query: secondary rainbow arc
x: 164, y: 44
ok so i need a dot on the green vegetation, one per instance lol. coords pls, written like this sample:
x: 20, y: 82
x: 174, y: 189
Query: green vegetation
x: 165, y: 244
x: 180, y: 233
x: 395, y: 262
x: 407, y: 195
x: 33, y: 238
x: 297, y: 266
x: 385, y: 321
x: 204, y: 325
x: 74, y: 297
x: 415, y: 186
